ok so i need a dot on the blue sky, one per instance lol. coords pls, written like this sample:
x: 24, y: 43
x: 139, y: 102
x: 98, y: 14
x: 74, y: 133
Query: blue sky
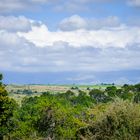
x: 65, y: 42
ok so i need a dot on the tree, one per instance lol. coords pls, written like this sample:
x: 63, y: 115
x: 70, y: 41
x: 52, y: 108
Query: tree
x: 69, y: 94
x: 7, y: 106
x: 99, y: 95
x: 128, y: 88
x: 1, y: 78
x: 137, y: 87
x: 111, y: 91
x: 82, y: 99
x: 137, y: 97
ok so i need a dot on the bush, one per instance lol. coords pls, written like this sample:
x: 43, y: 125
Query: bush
x: 99, y: 96
x: 111, y: 91
x: 120, y: 121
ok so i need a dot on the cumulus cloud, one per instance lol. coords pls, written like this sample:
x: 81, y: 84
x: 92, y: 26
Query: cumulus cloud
x: 121, y: 37
x: 27, y: 57
x: 12, y: 50
x: 76, y: 22
x: 72, y: 23
x: 14, y: 24
x: 39, y: 49
x: 21, y: 55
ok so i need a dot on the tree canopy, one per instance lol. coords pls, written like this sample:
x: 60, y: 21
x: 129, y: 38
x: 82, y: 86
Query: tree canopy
x: 7, y: 107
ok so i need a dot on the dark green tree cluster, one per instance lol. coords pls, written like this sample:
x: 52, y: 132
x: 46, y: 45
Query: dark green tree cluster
x: 7, y: 107
x: 126, y: 92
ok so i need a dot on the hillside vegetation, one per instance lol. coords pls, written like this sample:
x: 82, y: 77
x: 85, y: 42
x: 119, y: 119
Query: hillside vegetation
x: 99, y: 114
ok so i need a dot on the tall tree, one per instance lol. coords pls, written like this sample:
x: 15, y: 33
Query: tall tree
x: 7, y: 106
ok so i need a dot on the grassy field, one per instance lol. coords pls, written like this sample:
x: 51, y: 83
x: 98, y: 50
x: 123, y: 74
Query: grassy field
x: 54, y: 88
x: 38, y: 88
x: 16, y: 91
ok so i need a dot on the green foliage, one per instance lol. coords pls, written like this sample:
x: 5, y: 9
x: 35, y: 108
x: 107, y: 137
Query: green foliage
x: 99, y: 96
x: 52, y: 115
x: 7, y: 107
x: 76, y: 114
x: 57, y: 123
x: 137, y: 87
x: 120, y: 121
x: 68, y: 95
x: 111, y: 91
x: 46, y: 93
x: 82, y: 100
x: 137, y: 97
x: 1, y: 77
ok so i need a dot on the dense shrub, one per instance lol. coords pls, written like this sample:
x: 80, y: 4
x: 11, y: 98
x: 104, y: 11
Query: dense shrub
x: 111, y: 91
x: 120, y: 121
x: 99, y: 96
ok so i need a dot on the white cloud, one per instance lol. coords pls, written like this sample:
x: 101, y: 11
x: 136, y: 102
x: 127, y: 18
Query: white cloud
x: 109, y: 49
x: 121, y: 37
x: 76, y: 22
x: 72, y: 23
x: 14, y: 24
x: 20, y: 55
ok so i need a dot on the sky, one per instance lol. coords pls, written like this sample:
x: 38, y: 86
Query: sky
x: 70, y: 41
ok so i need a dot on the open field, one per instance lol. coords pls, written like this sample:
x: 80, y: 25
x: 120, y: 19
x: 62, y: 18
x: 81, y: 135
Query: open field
x: 18, y: 92
x: 38, y: 88
x: 53, y: 88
